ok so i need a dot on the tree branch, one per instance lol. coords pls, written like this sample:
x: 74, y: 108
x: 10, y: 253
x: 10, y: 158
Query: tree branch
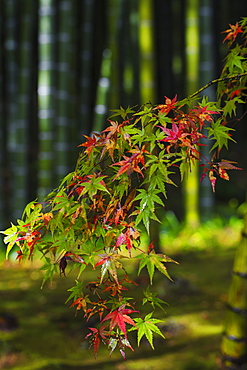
x: 238, y: 76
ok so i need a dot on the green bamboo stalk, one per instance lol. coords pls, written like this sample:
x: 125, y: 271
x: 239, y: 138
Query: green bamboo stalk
x: 191, y: 187
x: 102, y: 92
x: 46, y: 86
x: 234, y: 342
x: 146, y: 37
x: 147, y: 78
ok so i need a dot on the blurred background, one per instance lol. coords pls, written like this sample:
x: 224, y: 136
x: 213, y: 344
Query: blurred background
x: 64, y: 64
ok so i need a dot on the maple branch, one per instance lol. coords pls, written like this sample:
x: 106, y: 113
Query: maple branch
x: 238, y: 76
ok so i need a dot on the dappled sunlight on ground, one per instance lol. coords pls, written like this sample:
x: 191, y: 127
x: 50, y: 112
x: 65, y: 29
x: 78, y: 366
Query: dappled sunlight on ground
x: 49, y: 336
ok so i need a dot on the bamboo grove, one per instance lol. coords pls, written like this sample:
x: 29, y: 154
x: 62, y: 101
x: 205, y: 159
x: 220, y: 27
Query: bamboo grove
x: 95, y: 218
x: 64, y: 64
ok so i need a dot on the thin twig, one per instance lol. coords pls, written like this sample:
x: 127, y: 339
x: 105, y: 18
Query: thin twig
x: 238, y: 76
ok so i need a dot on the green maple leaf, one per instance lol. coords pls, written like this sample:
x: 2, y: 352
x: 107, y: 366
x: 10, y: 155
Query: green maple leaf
x: 219, y: 133
x: 152, y: 261
x: 147, y: 327
x: 151, y: 298
x: 231, y: 107
x: 122, y: 112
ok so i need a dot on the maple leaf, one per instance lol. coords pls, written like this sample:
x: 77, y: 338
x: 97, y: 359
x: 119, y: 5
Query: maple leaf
x: 96, y: 336
x: 121, y: 342
x: 218, y: 168
x: 113, y: 288
x: 31, y: 238
x: 120, y: 318
x: 212, y: 179
x: 168, y: 106
x: 127, y: 236
x: 232, y: 33
x: 113, y: 129
x: 91, y: 142
x: 152, y: 299
x: 172, y: 134
x: 203, y: 114
x: 99, y: 308
x: 147, y: 327
x: 110, y: 262
x: 109, y: 145
x: 46, y: 217
x: 154, y: 260
x: 131, y: 164
x: 237, y: 92
x: 81, y: 303
x: 219, y: 133
x: 19, y: 256
x: 179, y: 136
x: 93, y: 184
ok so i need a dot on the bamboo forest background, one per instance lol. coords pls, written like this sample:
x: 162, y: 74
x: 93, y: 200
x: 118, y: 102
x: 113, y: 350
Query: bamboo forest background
x: 65, y: 63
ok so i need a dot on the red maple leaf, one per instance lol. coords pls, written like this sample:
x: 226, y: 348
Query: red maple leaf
x: 232, y: 33
x: 182, y: 134
x: 236, y: 92
x: 203, y: 114
x: 96, y: 336
x: 127, y: 236
x: 90, y: 143
x: 19, y: 255
x: 119, y: 318
x: 31, y: 239
x: 131, y: 164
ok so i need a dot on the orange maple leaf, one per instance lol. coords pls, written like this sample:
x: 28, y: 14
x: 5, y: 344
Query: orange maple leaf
x: 232, y: 33
x: 168, y: 106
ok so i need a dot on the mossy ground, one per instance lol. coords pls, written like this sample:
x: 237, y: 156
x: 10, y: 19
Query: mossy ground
x: 49, y: 336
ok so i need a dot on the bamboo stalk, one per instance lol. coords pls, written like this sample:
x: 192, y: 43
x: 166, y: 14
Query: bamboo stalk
x: 146, y: 37
x: 46, y: 87
x: 114, y: 22
x: 24, y: 106
x: 206, y: 73
x: 4, y: 179
x: 234, y: 342
x: 64, y: 92
x: 134, y: 51
x: 86, y: 59
x: 107, y: 95
x: 191, y: 187
x: 11, y: 80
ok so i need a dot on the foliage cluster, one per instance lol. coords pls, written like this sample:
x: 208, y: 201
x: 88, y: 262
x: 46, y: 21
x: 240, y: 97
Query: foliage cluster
x: 95, y: 218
